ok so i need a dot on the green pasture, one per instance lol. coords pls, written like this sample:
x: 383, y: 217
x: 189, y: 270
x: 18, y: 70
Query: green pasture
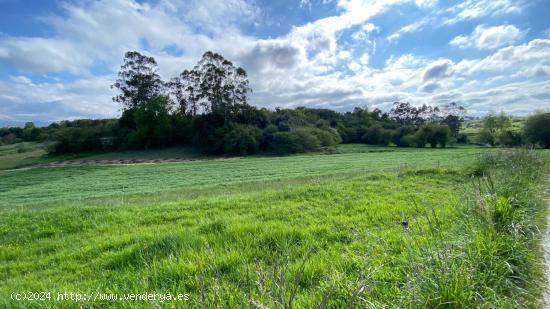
x: 303, y: 231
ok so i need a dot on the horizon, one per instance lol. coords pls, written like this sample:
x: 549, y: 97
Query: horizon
x: 58, y: 59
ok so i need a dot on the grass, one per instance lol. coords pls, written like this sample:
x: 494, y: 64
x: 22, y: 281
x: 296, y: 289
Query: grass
x: 21, y: 154
x: 166, y: 153
x: 297, y: 231
x: 27, y: 154
x: 221, y: 242
x: 74, y: 184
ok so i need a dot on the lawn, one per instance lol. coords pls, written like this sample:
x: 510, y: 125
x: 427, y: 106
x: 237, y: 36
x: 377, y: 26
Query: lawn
x: 300, y: 231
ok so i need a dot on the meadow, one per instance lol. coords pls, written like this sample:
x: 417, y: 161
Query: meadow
x: 360, y: 227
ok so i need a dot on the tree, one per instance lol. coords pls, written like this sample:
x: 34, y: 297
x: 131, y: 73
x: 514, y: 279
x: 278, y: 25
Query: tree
x: 223, y: 88
x: 537, y: 129
x: 405, y: 113
x: 494, y: 123
x: 152, y: 124
x: 492, y: 126
x: 453, y: 116
x: 185, y: 93
x: 440, y: 135
x: 138, y: 81
x: 31, y: 132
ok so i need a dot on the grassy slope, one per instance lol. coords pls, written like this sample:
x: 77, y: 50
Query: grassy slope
x: 21, y: 154
x: 232, y: 232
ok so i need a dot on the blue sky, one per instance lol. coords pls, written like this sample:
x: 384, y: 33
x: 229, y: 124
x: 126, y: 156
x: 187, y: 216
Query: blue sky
x: 58, y: 58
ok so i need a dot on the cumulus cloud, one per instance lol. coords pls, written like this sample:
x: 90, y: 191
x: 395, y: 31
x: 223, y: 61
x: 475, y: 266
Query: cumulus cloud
x: 438, y: 69
x: 309, y: 65
x: 101, y: 31
x: 536, y: 52
x: 88, y: 97
x: 489, y: 37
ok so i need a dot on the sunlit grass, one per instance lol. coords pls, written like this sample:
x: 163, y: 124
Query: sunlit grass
x: 266, y: 231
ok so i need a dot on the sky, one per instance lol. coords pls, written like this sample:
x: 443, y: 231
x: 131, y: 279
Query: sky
x: 59, y: 58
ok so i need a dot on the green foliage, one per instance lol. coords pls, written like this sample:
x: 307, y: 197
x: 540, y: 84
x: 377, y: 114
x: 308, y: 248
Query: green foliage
x: 242, y: 139
x: 494, y: 123
x: 152, y: 123
x: 377, y: 135
x: 537, y: 129
x: 305, y: 139
x: 138, y: 81
x: 497, y: 130
x: 83, y: 136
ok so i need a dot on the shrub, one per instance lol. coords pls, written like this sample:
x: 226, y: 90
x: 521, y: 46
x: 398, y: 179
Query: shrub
x: 327, y: 137
x: 377, y: 135
x: 303, y: 139
x: 486, y: 137
x: 402, y: 136
x: 242, y: 139
x: 537, y: 129
x: 510, y: 138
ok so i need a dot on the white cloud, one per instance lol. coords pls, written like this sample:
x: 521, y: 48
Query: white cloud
x: 365, y: 31
x: 411, y: 28
x: 533, y: 53
x: 101, y: 31
x: 473, y: 9
x: 298, y: 68
x: 426, y: 3
x: 489, y: 37
x: 466, y: 10
x: 82, y: 98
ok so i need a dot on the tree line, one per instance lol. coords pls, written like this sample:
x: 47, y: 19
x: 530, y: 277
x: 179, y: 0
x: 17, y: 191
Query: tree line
x: 207, y: 108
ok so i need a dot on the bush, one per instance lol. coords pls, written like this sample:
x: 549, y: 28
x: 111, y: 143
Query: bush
x: 510, y: 138
x: 377, y: 135
x: 486, y: 137
x: 242, y: 139
x: 537, y: 129
x: 303, y: 139
x: 75, y: 140
x: 402, y: 136
x: 327, y: 137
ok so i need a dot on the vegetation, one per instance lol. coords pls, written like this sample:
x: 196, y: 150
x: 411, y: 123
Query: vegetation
x: 348, y: 225
x: 537, y: 129
x: 207, y: 108
x: 86, y: 183
x: 298, y: 230
x: 21, y: 154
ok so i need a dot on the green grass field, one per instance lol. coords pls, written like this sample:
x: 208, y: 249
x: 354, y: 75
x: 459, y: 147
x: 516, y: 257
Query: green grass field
x: 21, y: 154
x: 300, y: 231
x: 80, y: 184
